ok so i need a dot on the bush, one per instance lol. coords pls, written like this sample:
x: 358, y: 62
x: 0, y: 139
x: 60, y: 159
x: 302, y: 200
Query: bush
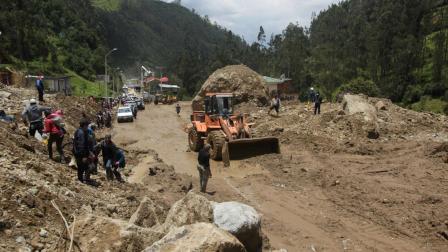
x: 413, y: 94
x: 359, y: 85
x: 429, y: 104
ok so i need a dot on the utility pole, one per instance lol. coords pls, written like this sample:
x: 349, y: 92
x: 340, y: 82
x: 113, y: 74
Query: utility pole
x: 105, y: 68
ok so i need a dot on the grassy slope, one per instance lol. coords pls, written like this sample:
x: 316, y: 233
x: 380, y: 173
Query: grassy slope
x: 428, y: 104
x: 107, y: 5
x: 83, y: 87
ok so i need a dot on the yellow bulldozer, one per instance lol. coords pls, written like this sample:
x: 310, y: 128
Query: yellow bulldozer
x: 228, y: 133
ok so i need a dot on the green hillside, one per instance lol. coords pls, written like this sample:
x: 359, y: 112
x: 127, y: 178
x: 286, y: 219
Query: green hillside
x: 51, y: 36
x: 107, y: 5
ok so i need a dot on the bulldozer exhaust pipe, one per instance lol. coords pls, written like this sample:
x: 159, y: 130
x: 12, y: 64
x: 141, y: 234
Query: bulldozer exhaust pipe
x: 250, y: 147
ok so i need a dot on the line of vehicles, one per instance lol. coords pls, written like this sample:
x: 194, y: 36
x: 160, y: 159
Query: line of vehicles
x: 131, y: 104
x: 134, y: 97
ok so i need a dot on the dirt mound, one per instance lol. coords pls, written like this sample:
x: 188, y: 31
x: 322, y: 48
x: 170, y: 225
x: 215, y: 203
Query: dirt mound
x: 243, y: 82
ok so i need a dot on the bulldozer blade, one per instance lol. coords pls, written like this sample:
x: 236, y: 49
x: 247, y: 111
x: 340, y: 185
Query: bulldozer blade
x: 250, y: 147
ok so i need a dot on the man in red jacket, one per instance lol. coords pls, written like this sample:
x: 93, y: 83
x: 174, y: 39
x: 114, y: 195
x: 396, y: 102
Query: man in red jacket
x: 54, y: 127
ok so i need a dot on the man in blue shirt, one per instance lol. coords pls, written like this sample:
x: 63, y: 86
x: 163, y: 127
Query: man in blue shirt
x: 40, y: 88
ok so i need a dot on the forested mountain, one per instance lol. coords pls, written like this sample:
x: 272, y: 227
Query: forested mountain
x: 395, y: 49
x: 169, y: 35
x: 51, y: 35
x: 389, y: 48
x: 46, y: 35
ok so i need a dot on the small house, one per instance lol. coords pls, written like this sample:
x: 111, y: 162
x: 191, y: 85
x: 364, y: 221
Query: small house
x: 282, y: 87
x: 58, y: 85
x: 53, y: 84
x: 10, y: 77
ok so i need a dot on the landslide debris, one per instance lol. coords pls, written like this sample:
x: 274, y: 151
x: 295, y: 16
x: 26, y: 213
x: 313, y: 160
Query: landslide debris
x: 110, y: 216
x: 396, y: 181
x: 243, y: 82
x: 348, y: 126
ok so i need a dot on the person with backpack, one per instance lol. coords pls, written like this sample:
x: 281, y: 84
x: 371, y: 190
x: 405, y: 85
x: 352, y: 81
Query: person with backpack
x: 32, y: 116
x: 40, y: 88
x: 54, y: 128
x: 317, y: 103
x: 83, y: 151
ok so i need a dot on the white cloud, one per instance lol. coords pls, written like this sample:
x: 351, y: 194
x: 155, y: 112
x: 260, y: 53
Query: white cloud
x: 244, y: 17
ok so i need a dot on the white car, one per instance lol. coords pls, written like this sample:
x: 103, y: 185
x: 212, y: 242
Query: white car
x: 125, y: 114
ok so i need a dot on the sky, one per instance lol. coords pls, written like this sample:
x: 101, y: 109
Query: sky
x: 244, y: 17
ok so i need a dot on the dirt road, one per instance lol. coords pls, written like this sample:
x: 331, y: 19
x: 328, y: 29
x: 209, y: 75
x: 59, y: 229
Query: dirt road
x: 299, y: 218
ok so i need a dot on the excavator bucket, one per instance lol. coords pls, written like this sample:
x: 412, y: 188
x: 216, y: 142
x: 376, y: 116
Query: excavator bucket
x: 250, y: 147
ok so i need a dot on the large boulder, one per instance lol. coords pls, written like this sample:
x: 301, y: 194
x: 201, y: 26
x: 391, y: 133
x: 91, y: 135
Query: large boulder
x: 96, y: 233
x: 354, y: 104
x: 243, y: 82
x: 204, y: 237
x: 191, y: 209
x: 242, y: 221
x: 359, y: 105
x: 147, y: 214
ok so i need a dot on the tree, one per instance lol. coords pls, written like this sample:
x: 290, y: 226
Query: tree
x: 261, y: 36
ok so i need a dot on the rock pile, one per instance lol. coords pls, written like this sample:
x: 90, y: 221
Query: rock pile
x: 243, y: 82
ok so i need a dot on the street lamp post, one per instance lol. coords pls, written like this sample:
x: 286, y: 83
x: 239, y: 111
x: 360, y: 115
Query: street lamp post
x: 105, y: 68
x: 115, y: 84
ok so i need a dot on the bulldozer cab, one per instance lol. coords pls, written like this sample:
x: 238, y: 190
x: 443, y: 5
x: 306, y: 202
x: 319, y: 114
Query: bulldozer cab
x: 219, y: 104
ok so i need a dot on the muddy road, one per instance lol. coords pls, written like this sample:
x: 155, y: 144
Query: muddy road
x: 298, y: 218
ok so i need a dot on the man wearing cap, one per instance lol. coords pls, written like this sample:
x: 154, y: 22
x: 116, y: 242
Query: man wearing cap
x: 32, y: 115
x: 40, y: 87
x: 204, y: 167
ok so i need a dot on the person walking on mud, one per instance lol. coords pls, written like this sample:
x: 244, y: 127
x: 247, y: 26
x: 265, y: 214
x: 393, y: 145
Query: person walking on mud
x: 317, y: 103
x: 275, y: 104
x: 40, y: 88
x: 32, y: 116
x: 111, y: 160
x: 178, y: 109
x: 83, y: 151
x: 204, y: 167
x: 54, y: 128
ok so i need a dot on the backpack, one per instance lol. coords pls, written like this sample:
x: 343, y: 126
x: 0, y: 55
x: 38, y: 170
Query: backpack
x: 34, y: 113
